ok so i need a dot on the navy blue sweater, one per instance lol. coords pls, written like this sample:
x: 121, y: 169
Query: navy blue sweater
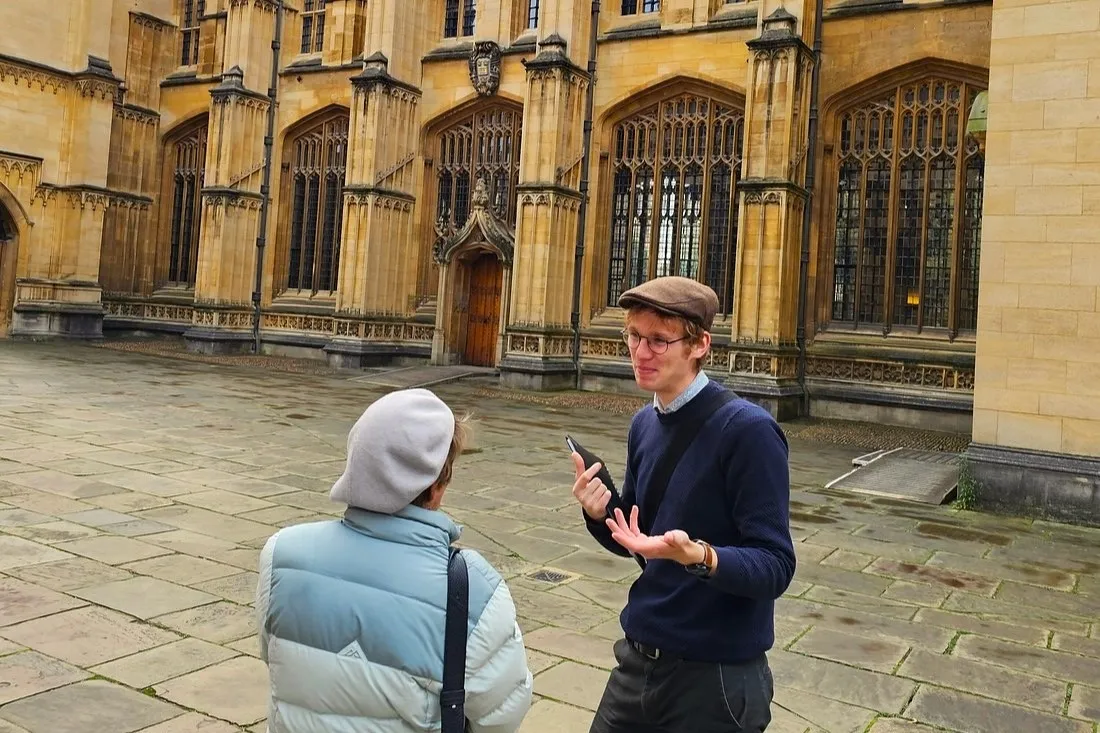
x: 731, y: 489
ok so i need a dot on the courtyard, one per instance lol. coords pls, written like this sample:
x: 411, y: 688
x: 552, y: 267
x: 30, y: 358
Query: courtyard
x: 136, y: 490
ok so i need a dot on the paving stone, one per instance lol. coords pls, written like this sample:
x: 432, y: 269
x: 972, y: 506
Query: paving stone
x: 275, y: 514
x: 865, y: 624
x: 857, y: 687
x: 239, y: 588
x: 95, y: 705
x: 1035, y: 660
x: 236, y: 690
x: 129, y: 501
x: 21, y: 601
x: 858, y: 651
x: 216, y: 622
x: 959, y: 711
x: 144, y: 597
x: 164, y: 662
x: 22, y: 518
x: 53, y: 532
x: 975, y: 625
x: 87, y: 636
x: 871, y: 604
x: 894, y: 725
x: 999, y: 570
x: 8, y: 647
x: 190, y: 543
x: 139, y: 528
x: 193, y: 723
x: 54, y: 482
x: 1076, y: 645
x: 225, y: 502
x: 869, y: 585
x: 16, y: 552
x: 249, y: 645
x: 848, y: 560
x: 1068, y: 603
x: 182, y: 569
x: 573, y: 683
x: 207, y: 522
x: 98, y: 518
x: 985, y: 680
x: 548, y: 716
x: 601, y: 564
x: 917, y: 593
x: 554, y: 610
x: 823, y: 713
x: 42, y: 502
x: 572, y: 645
x: 999, y: 610
x: 77, y: 572
x: 538, y: 662
x: 1084, y: 703
x: 148, y: 483
x: 6, y: 727
x: 112, y: 550
x: 29, y: 673
x: 954, y: 579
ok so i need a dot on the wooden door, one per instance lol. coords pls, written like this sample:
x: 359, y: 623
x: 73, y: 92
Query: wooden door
x: 483, y: 315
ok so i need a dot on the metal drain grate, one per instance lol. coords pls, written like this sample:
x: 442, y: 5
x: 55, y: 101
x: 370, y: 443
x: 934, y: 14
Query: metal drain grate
x: 928, y: 477
x: 554, y: 577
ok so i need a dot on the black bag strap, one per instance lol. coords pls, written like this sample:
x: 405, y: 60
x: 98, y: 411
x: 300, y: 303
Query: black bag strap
x: 453, y: 696
x: 662, y: 473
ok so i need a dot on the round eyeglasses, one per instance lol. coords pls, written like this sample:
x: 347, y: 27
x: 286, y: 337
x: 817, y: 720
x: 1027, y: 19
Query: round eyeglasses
x: 656, y: 344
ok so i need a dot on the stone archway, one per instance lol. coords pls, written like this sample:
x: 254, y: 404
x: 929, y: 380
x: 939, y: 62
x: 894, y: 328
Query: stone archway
x: 475, y: 277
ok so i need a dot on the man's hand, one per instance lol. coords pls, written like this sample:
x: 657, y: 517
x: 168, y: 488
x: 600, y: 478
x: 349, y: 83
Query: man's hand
x: 590, y: 491
x: 672, y: 545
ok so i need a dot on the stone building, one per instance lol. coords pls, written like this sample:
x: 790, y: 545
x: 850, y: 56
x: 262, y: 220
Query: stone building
x: 447, y: 183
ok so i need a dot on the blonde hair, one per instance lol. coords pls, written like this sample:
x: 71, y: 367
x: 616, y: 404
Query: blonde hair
x: 459, y: 441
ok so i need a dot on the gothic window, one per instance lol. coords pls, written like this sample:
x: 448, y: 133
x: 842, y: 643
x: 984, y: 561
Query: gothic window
x: 483, y: 145
x: 673, y: 204
x: 532, y: 13
x: 908, y: 211
x: 313, y: 26
x: 630, y: 7
x: 318, y: 160
x: 190, y: 12
x: 188, y: 156
x: 459, y: 15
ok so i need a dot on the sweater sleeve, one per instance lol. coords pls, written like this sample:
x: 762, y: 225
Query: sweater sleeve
x: 598, y: 529
x: 758, y: 483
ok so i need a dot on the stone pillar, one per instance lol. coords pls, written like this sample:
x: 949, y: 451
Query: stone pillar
x: 222, y: 319
x: 378, y: 261
x: 769, y: 233
x: 1036, y: 434
x: 345, y: 29
x: 57, y: 291
x: 538, y: 342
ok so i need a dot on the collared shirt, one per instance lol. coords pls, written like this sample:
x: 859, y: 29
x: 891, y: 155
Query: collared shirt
x: 701, y: 380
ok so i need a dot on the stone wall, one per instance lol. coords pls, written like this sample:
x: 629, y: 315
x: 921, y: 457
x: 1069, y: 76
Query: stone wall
x: 1037, y: 399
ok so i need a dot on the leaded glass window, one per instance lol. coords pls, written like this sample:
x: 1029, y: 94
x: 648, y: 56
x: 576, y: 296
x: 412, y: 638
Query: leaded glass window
x: 485, y: 145
x: 188, y: 155
x: 190, y: 13
x: 318, y: 164
x: 908, y: 211
x: 675, y: 168
x: 459, y: 15
x: 313, y: 26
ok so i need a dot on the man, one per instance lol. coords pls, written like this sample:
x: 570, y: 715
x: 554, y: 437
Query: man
x: 351, y: 611
x: 700, y: 618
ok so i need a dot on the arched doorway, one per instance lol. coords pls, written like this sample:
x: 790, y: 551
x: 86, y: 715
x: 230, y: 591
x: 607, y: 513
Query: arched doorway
x: 483, y: 310
x: 8, y: 251
x: 475, y: 274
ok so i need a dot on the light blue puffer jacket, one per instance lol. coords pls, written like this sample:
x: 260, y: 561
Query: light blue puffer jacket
x: 351, y: 617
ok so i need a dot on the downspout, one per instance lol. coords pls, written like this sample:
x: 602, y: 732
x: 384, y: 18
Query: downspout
x: 582, y: 214
x: 265, y: 186
x: 807, y: 212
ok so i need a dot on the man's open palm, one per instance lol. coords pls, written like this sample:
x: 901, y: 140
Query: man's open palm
x: 672, y: 545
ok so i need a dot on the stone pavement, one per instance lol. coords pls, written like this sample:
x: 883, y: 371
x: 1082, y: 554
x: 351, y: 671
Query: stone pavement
x: 135, y: 492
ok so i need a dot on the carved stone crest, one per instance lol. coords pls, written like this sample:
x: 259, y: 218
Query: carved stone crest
x: 485, y: 68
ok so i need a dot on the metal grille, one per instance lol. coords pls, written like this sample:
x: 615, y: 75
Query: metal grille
x: 189, y: 155
x: 549, y: 576
x: 909, y: 199
x: 673, y: 212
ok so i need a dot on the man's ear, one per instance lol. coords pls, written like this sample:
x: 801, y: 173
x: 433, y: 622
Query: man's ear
x: 699, y: 350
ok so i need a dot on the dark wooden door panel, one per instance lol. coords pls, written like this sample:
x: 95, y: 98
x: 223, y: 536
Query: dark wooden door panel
x: 483, y: 315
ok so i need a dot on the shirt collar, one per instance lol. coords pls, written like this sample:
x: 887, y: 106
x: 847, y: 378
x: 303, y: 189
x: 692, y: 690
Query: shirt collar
x: 701, y: 380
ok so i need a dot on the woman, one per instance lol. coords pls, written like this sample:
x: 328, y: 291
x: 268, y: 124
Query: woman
x: 351, y: 611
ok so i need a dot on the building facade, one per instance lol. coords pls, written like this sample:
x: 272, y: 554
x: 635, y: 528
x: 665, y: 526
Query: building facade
x: 430, y: 198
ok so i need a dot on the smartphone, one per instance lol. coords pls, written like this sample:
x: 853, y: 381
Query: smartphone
x: 591, y: 459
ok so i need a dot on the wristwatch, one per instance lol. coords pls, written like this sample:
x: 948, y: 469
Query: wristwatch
x: 702, y: 569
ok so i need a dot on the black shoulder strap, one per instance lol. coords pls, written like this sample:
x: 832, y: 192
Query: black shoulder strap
x: 662, y: 473
x: 453, y: 696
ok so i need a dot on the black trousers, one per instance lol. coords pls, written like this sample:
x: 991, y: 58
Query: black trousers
x: 670, y: 695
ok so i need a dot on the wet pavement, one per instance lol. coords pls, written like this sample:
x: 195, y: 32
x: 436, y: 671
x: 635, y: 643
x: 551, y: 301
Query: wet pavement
x: 136, y: 491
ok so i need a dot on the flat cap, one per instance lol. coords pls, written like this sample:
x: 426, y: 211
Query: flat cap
x: 675, y: 296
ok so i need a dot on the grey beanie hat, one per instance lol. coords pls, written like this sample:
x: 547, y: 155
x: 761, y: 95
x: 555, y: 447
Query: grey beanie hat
x: 396, y: 449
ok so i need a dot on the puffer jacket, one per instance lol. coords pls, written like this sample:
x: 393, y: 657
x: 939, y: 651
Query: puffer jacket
x: 351, y: 622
